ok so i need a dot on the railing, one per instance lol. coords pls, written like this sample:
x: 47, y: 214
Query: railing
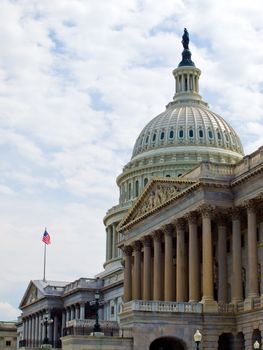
x: 162, y: 306
x: 226, y: 308
x: 107, y: 331
x: 90, y: 323
x: 29, y: 343
x: 83, y: 283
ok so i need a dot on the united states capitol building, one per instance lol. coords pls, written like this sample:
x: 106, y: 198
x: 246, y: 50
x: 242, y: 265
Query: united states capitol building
x: 182, y: 244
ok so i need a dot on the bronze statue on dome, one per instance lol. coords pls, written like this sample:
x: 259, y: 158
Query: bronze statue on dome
x: 185, y: 40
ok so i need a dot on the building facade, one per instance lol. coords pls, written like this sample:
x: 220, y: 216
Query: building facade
x: 182, y: 244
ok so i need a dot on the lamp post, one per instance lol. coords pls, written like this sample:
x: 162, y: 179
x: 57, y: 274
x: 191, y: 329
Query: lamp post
x: 97, y: 304
x: 256, y: 345
x: 197, y: 338
x: 45, y: 322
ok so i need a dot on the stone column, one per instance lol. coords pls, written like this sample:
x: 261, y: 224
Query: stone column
x: 82, y: 311
x: 168, y: 262
x: 40, y: 333
x: 236, y: 286
x: 110, y: 242
x: 77, y: 312
x: 55, y: 331
x: 147, y: 241
x: 222, y: 259
x: 208, y: 290
x: 252, y: 250
x: 37, y: 330
x: 127, y: 273
x: 107, y: 244
x: 113, y: 241
x: 72, y: 312
x: 24, y: 329
x: 63, y: 322
x: 157, y: 266
x: 137, y: 271
x: 67, y: 314
x: 30, y: 331
x: 181, y: 277
x: 261, y: 249
x: 194, y: 261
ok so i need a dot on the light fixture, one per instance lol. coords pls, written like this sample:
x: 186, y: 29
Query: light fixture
x: 197, y: 338
x: 256, y: 345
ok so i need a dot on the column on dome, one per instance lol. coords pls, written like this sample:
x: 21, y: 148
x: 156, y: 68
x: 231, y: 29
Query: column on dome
x: 113, y: 248
x: 252, y: 249
x: 147, y: 256
x: 157, y: 265
x: 127, y: 250
x: 109, y: 234
x: 236, y: 287
x: 222, y: 257
x: 181, y: 274
x: 168, y: 262
x: 194, y: 259
x: 107, y: 244
x: 261, y: 250
x: 207, y: 252
x: 136, y: 281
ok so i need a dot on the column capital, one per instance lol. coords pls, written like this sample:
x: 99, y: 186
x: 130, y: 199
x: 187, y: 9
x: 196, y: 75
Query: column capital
x: 157, y: 235
x: 180, y: 224
x: 235, y: 213
x: 127, y: 250
x: 168, y: 229
x: 137, y: 246
x: 221, y: 217
x: 206, y: 210
x: 191, y: 217
x: 250, y: 205
x: 147, y: 241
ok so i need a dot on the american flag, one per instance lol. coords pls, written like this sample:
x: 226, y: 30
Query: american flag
x: 46, y: 238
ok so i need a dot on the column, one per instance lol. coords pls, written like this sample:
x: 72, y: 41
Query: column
x: 67, y: 314
x: 113, y: 241
x: 63, y: 322
x: 40, y: 328
x: 147, y: 241
x: 137, y: 271
x: 208, y: 290
x: 180, y: 261
x: 261, y: 249
x: 157, y: 272
x: 55, y: 331
x: 110, y: 242
x: 72, y: 312
x: 82, y: 311
x: 127, y: 273
x: 168, y: 262
x: 107, y: 244
x: 37, y: 330
x: 222, y: 260
x: 24, y: 328
x: 252, y: 250
x: 49, y: 327
x: 77, y: 312
x: 194, y: 261
x: 236, y: 281
x: 33, y: 330
x: 30, y: 331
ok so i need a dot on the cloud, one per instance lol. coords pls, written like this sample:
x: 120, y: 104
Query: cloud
x: 8, y: 312
x: 78, y: 82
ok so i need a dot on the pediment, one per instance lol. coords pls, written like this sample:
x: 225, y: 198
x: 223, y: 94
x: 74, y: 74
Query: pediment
x: 157, y: 194
x: 31, y: 295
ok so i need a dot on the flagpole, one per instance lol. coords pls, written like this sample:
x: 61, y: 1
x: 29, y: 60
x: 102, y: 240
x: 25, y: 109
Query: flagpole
x: 45, y: 254
x: 44, y: 276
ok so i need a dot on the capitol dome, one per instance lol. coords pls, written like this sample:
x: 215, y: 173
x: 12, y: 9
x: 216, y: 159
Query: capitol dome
x: 181, y: 137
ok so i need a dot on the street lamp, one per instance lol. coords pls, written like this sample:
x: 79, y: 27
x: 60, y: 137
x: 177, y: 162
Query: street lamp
x: 45, y: 322
x: 96, y: 327
x: 256, y: 345
x: 197, y: 338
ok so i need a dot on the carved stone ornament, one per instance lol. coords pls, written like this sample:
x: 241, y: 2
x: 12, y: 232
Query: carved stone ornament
x: 221, y: 217
x: 147, y: 241
x: 157, y: 235
x: 168, y: 229
x: 180, y: 224
x: 157, y: 197
x: 250, y: 205
x: 127, y: 250
x: 191, y: 217
x: 207, y: 211
x: 137, y: 246
x: 235, y: 212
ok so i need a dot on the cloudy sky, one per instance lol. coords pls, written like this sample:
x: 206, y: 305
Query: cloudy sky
x: 79, y: 79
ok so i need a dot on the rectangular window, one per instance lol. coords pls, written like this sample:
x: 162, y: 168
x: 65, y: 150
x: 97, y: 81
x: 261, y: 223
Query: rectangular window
x: 112, y: 310
x: 8, y: 343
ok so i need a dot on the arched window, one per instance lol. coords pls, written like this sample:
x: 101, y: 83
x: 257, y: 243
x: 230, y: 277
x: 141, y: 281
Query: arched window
x: 136, y: 188
x: 191, y: 133
x: 154, y: 137
x: 167, y: 175
x: 171, y: 134
x: 181, y: 134
x: 162, y: 135
x: 219, y: 136
x: 146, y: 140
x: 145, y: 181
x: 201, y: 133
x: 129, y: 191
x: 210, y: 134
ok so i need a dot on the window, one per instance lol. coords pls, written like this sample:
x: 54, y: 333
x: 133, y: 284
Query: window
x: 136, y: 188
x: 210, y: 134
x: 227, y: 138
x: 181, y: 134
x: 171, y: 134
x: 129, y: 191
x: 154, y: 137
x: 219, y: 136
x: 146, y: 140
x: 145, y: 181
x: 112, y: 310
x: 201, y: 133
x: 162, y: 135
x: 8, y: 343
x: 167, y: 175
x: 191, y: 133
